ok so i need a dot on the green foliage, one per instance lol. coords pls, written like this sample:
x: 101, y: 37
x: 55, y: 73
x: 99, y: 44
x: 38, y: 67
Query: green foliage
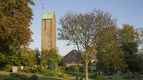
x: 47, y: 54
x: 76, y: 68
x: 96, y: 23
x: 51, y: 73
x: 128, y: 34
x: 26, y: 70
x: 60, y: 69
x: 44, y: 70
x: 14, y: 25
x: 33, y: 77
x: 100, y: 77
x: 52, y: 66
x: 93, y: 76
x: 27, y: 57
x: 63, y: 75
x: 132, y: 59
x: 37, y: 55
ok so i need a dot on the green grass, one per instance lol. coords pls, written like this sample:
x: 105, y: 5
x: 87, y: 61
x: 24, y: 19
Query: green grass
x: 114, y: 77
x: 5, y: 75
x: 80, y: 75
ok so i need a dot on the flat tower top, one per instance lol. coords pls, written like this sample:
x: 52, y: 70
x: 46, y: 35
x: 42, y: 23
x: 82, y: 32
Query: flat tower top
x: 48, y: 14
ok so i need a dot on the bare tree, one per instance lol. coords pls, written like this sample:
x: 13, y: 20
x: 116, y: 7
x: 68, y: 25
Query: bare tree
x: 82, y: 30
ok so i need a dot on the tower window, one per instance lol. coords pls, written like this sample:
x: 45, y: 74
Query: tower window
x: 44, y: 24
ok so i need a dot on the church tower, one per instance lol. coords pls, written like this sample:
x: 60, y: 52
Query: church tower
x: 48, y: 30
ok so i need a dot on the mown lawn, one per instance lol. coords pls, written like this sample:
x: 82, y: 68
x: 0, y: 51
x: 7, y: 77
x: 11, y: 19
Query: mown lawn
x: 5, y: 75
x: 114, y: 77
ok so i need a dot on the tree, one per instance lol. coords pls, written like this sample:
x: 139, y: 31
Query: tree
x: 52, y: 64
x: 130, y: 50
x: 47, y: 54
x: 108, y: 46
x: 130, y: 40
x: 114, y: 60
x: 27, y: 57
x: 37, y: 55
x: 15, y: 19
x: 83, y: 30
x: 128, y: 34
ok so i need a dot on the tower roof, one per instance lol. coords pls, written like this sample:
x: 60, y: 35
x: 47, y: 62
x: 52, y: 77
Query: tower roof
x: 48, y: 14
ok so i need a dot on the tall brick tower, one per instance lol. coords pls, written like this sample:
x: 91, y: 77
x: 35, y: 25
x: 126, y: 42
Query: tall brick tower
x: 48, y: 30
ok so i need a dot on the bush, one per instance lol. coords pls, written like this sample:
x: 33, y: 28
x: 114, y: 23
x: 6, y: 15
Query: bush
x: 135, y: 75
x: 93, y: 76
x: 75, y: 68
x: 33, y: 77
x: 51, y: 73
x: 44, y: 70
x: 129, y: 75
x: 26, y: 70
x: 110, y: 78
x: 39, y: 68
x: 100, y: 77
x: 89, y: 70
x: 34, y: 70
x: 52, y: 65
x: 64, y: 75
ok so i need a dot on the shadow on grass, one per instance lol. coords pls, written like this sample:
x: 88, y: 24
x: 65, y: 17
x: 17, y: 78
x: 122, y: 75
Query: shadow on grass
x: 7, y: 77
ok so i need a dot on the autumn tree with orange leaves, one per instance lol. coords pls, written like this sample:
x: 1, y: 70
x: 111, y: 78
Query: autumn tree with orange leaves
x: 15, y: 21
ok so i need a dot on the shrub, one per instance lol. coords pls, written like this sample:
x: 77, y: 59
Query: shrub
x: 129, y: 75
x: 33, y: 77
x: 26, y: 70
x: 51, y: 73
x: 93, y: 76
x: 100, y: 77
x: 75, y: 68
x: 110, y: 78
x: 89, y: 70
x: 52, y: 65
x: 135, y: 75
x: 44, y: 70
x: 34, y: 70
x: 39, y: 68
x: 8, y: 67
x: 64, y: 75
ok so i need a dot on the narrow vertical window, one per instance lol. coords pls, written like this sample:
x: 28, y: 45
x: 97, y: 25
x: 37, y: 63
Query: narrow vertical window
x: 44, y: 24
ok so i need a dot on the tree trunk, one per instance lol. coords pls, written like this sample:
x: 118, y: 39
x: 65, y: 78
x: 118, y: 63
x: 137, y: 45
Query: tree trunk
x: 86, y: 70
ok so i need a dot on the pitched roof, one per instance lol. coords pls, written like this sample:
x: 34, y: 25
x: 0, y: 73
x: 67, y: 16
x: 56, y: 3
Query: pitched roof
x: 48, y: 14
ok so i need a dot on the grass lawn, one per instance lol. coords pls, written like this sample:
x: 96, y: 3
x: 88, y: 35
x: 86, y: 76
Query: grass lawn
x: 114, y: 77
x: 5, y: 75
x: 80, y: 75
x: 43, y: 76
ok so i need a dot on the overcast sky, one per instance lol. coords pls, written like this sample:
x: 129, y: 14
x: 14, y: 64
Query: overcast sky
x: 126, y: 11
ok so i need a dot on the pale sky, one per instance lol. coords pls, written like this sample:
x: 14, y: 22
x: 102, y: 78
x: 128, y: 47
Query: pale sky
x: 126, y: 11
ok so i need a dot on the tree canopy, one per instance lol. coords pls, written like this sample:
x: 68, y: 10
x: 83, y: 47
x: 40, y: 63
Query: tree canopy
x: 83, y: 31
x: 15, y: 20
